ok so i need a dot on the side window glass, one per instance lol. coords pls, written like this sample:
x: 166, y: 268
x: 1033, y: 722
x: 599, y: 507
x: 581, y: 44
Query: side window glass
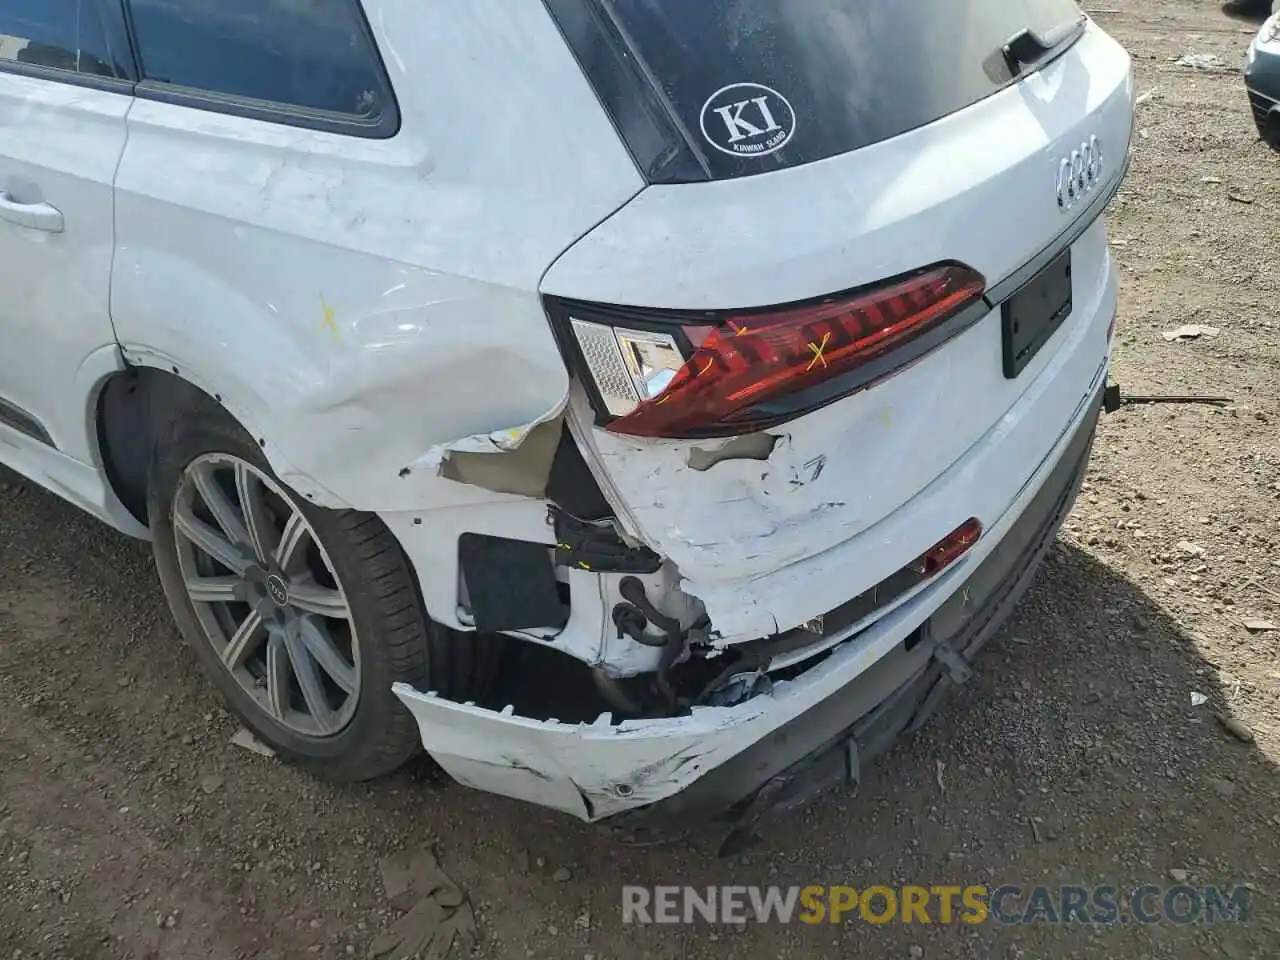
x: 63, y: 34
x: 311, y: 54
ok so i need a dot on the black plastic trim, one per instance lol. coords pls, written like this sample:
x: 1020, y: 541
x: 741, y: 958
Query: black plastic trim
x: 115, y: 20
x: 383, y: 126
x: 646, y: 124
x: 14, y: 416
x: 90, y: 80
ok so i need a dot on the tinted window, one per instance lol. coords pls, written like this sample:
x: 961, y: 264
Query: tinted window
x: 764, y: 84
x: 65, y: 34
x: 311, y: 54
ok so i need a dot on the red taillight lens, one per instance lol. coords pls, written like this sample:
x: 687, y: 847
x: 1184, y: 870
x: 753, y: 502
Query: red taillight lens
x: 746, y: 363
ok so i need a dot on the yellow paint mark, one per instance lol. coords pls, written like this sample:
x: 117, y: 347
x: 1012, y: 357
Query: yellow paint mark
x: 329, y: 322
x: 710, y: 364
x: 817, y: 352
x: 737, y: 330
x: 886, y: 418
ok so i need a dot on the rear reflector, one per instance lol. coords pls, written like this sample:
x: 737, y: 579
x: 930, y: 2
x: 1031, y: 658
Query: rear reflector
x: 949, y: 549
x: 748, y: 370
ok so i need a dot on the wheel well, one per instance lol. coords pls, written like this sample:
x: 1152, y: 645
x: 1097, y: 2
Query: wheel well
x: 133, y: 406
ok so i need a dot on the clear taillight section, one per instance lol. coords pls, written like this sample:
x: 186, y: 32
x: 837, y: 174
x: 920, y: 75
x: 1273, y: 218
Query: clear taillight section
x: 628, y: 366
x: 746, y: 370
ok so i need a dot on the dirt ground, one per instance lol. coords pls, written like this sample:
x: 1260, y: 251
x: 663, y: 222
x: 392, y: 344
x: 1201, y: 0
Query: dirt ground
x: 130, y: 828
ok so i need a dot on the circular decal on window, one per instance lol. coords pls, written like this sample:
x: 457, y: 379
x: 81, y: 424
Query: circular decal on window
x: 748, y: 120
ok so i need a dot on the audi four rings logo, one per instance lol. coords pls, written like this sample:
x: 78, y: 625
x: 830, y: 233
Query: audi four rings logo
x: 1079, y: 173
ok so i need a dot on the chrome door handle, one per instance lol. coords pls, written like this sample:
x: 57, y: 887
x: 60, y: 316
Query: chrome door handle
x: 37, y: 216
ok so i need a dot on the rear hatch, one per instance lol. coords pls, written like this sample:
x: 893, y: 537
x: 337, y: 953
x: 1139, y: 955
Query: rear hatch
x: 847, y: 192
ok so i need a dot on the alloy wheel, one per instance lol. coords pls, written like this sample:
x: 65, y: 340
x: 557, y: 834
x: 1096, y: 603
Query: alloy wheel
x: 266, y: 595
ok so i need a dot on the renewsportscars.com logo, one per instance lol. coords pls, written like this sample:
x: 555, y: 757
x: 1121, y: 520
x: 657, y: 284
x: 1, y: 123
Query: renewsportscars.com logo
x: 974, y: 904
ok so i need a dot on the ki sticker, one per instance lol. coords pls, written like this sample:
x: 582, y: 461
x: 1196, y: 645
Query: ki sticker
x: 748, y: 120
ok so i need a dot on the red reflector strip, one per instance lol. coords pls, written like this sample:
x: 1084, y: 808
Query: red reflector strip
x: 948, y: 550
x: 750, y: 359
x: 902, y: 581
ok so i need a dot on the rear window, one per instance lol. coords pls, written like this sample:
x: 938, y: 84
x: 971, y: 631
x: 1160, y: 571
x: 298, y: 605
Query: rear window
x: 762, y: 84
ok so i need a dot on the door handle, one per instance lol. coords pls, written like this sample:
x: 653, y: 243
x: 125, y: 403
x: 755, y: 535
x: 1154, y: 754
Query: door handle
x: 37, y: 216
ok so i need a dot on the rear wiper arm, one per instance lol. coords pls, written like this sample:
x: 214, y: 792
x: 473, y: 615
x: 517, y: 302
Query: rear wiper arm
x: 1028, y: 48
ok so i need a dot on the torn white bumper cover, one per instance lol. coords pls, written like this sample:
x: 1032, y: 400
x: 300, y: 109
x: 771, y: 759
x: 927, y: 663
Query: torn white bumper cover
x: 779, y: 747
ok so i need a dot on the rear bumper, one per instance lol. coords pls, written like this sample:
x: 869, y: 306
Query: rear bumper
x: 828, y: 744
x: 846, y: 707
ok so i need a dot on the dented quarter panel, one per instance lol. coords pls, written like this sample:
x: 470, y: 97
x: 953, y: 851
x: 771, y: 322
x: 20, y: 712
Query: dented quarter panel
x: 363, y: 306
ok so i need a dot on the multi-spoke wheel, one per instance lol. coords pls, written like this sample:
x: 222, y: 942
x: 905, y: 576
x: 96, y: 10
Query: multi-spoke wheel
x: 266, y: 595
x: 303, y: 617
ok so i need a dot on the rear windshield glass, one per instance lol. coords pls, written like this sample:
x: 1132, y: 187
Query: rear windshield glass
x: 764, y: 84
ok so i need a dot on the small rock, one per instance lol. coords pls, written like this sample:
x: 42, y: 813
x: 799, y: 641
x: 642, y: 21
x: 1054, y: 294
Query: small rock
x: 1224, y: 788
x: 1190, y: 331
x: 170, y: 922
x: 247, y: 741
x: 210, y: 784
x: 1200, y: 61
x: 553, y: 930
x: 1177, y: 875
x: 916, y: 951
x: 1190, y: 549
x: 1237, y: 729
x: 1256, y: 625
x: 562, y: 875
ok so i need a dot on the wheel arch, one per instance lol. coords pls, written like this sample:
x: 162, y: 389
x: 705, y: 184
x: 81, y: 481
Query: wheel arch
x: 135, y: 404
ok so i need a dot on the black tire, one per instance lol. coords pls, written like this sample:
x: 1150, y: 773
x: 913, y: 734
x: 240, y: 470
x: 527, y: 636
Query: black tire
x: 397, y: 641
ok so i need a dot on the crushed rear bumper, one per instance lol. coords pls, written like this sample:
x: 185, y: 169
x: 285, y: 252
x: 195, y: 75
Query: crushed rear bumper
x: 773, y: 751
x: 829, y: 744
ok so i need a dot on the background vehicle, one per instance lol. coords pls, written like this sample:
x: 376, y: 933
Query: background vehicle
x: 734, y: 391
x: 1262, y: 81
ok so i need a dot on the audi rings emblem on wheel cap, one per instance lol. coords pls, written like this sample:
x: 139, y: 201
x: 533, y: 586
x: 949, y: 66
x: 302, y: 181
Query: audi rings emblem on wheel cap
x: 277, y: 590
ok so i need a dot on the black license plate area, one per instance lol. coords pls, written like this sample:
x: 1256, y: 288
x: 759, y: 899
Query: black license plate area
x: 1033, y: 314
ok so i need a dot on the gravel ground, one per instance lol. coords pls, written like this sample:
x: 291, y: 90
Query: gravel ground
x: 130, y: 828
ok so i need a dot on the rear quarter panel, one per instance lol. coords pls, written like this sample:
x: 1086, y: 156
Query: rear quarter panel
x: 358, y: 303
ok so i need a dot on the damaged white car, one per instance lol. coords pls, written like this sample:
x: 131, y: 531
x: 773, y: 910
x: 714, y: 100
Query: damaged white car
x: 644, y: 406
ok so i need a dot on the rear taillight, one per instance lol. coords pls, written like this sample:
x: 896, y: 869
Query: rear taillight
x: 656, y: 374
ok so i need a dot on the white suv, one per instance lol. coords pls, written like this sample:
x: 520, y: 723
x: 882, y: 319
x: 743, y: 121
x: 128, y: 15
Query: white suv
x: 628, y: 401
